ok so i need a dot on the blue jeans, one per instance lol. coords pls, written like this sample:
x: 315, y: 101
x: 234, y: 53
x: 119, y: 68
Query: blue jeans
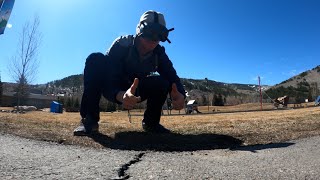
x: 154, y: 89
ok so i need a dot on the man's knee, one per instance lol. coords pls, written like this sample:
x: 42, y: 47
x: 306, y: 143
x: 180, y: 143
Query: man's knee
x: 93, y: 75
x: 95, y: 67
x: 96, y: 60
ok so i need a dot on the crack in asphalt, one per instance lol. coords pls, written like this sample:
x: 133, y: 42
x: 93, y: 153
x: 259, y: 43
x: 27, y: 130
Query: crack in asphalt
x: 122, y: 171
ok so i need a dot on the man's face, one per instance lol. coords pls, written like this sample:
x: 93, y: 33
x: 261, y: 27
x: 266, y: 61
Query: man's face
x: 148, y: 44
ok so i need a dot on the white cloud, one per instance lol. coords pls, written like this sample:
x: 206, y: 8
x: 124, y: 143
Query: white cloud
x: 9, y: 25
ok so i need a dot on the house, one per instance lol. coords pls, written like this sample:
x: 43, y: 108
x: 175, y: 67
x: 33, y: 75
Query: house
x: 37, y: 100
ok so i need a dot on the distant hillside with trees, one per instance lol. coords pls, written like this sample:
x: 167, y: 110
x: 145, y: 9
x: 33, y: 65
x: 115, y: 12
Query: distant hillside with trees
x: 300, y: 87
x: 75, y: 81
x: 204, y: 91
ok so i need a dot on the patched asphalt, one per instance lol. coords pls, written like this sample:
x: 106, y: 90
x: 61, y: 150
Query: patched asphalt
x: 22, y: 158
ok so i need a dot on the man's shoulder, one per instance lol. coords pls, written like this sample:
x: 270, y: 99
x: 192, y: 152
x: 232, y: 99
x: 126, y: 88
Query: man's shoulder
x: 120, y: 43
x: 159, y: 49
x: 125, y: 41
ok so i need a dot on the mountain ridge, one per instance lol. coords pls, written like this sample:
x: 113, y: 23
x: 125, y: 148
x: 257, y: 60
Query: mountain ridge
x: 302, y: 86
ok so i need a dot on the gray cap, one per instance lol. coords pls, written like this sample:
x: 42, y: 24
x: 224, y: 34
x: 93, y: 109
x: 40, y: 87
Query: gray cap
x: 149, y: 17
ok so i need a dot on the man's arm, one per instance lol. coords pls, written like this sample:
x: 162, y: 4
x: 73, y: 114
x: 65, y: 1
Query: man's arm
x: 167, y: 70
x: 115, y: 71
x: 177, y: 98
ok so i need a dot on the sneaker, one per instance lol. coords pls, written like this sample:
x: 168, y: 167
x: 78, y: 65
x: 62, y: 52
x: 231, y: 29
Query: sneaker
x: 158, y: 128
x: 86, y: 128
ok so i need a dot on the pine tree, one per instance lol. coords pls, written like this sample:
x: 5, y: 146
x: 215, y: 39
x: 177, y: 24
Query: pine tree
x: 68, y: 104
x: 76, y: 104
x: 218, y: 100
x: 214, y: 100
x: 61, y: 100
x: 221, y: 103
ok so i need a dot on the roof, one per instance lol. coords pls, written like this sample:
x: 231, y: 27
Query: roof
x: 32, y: 96
x: 192, y: 102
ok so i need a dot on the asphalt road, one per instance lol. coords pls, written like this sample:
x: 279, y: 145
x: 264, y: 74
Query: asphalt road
x: 29, y: 159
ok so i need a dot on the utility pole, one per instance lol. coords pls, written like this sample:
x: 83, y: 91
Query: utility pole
x: 208, y: 93
x: 260, y: 93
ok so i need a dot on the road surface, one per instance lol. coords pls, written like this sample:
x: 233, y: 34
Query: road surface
x: 30, y: 159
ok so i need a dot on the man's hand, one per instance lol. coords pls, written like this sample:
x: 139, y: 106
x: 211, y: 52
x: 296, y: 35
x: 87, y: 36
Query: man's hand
x: 128, y: 98
x: 177, y: 98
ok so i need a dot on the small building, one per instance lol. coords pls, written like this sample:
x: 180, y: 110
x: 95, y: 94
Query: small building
x: 37, y: 100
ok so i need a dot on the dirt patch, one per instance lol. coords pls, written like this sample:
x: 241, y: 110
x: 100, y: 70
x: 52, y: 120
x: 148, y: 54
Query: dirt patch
x: 189, y: 132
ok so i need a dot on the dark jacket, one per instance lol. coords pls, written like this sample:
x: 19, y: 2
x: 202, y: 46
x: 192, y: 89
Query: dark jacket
x: 124, y: 64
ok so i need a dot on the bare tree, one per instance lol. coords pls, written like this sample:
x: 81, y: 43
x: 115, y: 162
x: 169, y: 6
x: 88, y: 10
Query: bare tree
x: 24, y: 65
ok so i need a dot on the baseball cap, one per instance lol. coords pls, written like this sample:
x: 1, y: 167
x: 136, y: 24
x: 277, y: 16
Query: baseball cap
x: 152, y: 25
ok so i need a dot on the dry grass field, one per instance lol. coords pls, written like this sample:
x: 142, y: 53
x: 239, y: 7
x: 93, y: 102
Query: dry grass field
x: 225, y: 127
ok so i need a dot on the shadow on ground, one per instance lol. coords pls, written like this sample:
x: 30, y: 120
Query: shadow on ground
x: 142, y: 141
x: 255, y: 148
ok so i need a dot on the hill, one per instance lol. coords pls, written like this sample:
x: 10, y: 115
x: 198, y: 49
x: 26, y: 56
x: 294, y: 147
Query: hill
x: 300, y: 87
x: 198, y: 89
x: 310, y: 76
x: 204, y: 91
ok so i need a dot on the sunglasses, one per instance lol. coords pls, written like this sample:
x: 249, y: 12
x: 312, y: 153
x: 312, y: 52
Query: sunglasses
x: 155, y: 32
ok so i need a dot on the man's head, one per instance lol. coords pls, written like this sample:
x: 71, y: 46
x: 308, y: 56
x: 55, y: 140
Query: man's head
x: 152, y: 26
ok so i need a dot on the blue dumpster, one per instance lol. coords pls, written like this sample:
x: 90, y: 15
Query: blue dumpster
x: 317, y: 101
x: 56, y: 107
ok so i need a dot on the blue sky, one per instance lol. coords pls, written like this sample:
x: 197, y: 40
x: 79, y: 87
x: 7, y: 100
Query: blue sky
x: 232, y: 41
